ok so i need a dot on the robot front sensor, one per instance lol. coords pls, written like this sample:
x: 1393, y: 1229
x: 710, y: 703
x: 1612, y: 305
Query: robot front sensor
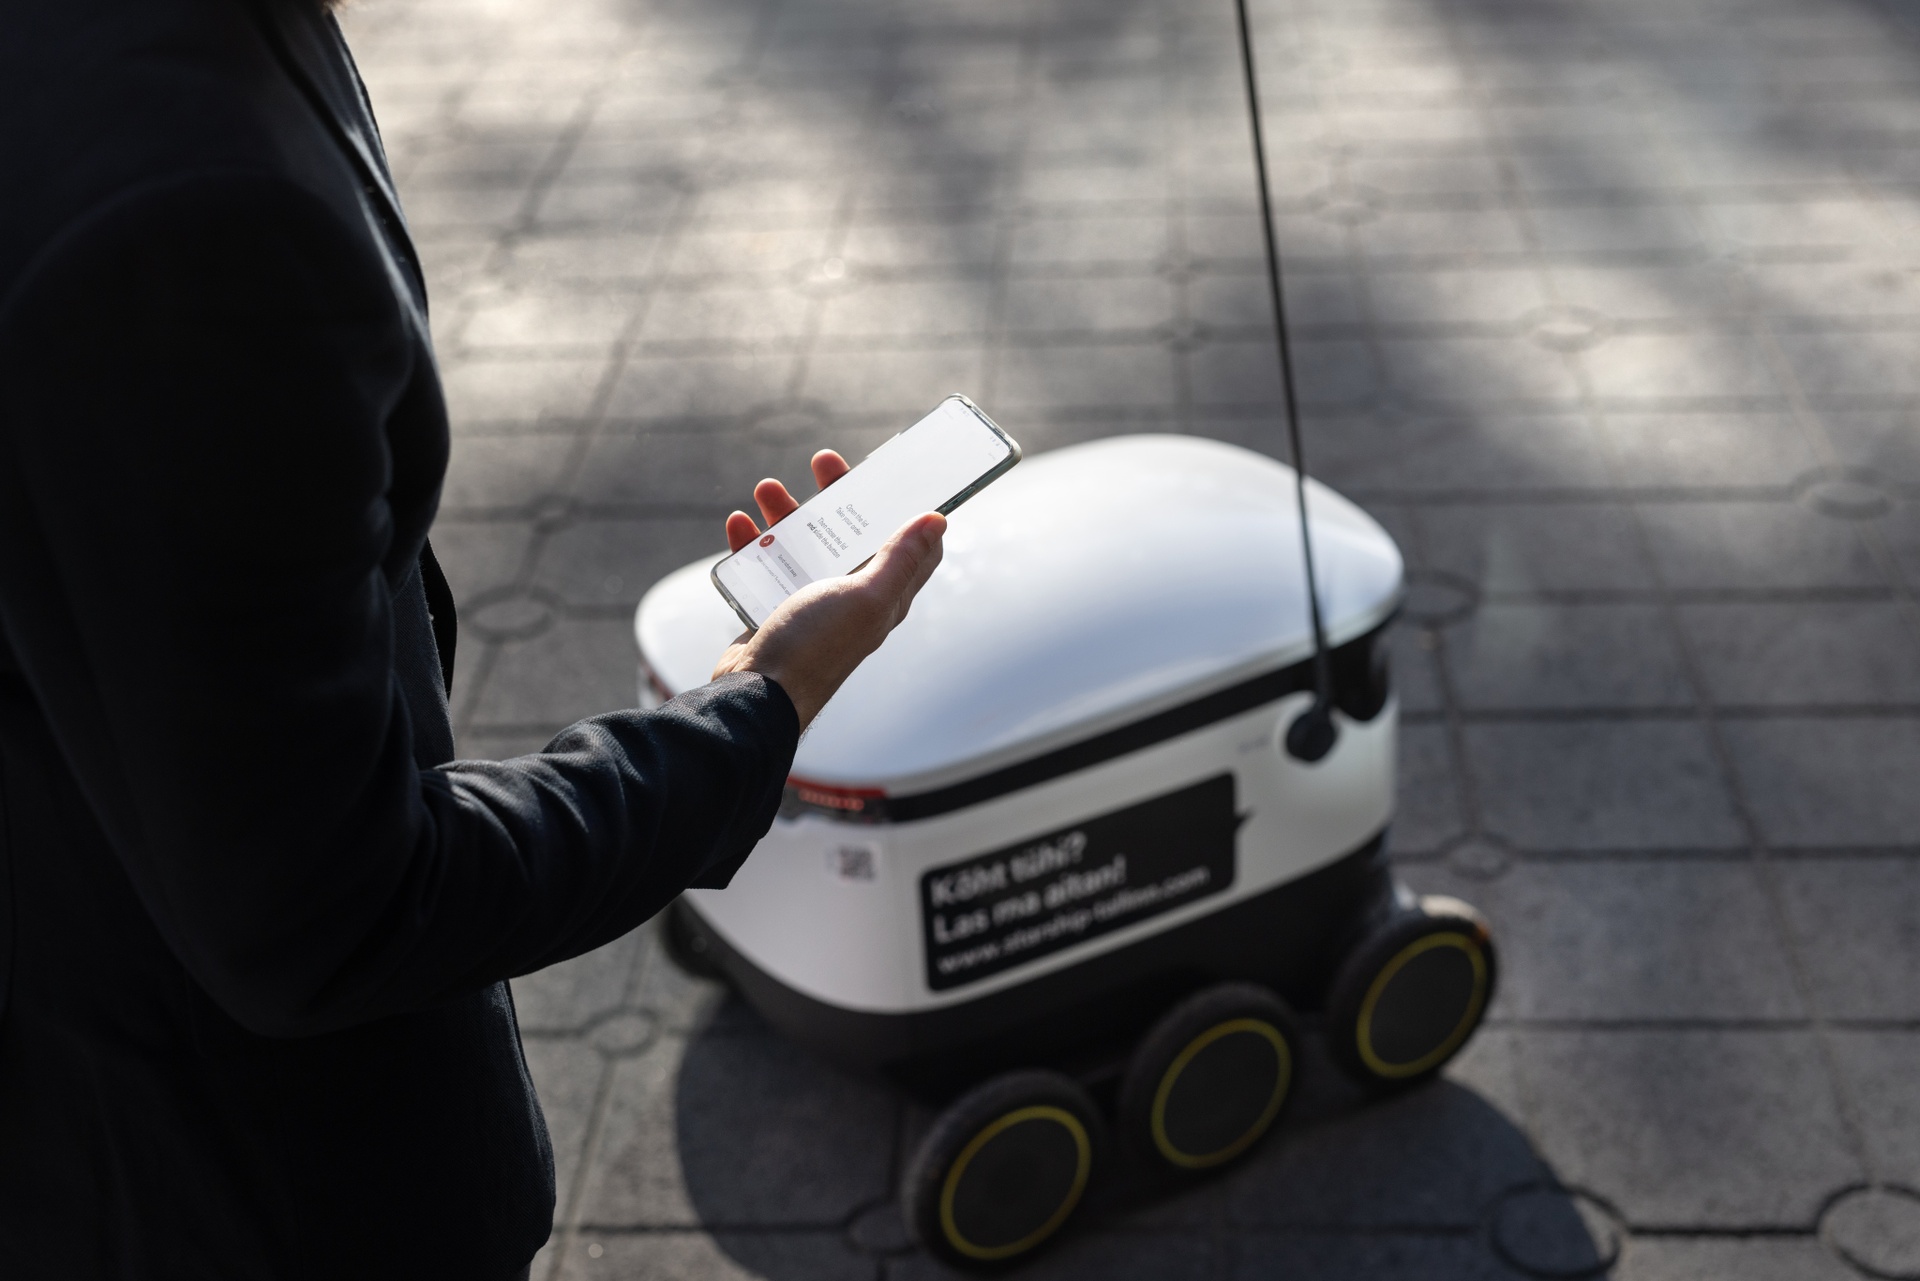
x: 1046, y: 860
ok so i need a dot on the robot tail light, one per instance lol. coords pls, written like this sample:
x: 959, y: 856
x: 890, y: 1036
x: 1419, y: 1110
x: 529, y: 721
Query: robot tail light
x: 848, y: 804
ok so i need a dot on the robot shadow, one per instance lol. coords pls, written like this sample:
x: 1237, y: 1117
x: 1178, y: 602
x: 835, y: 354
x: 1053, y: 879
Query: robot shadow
x: 791, y: 1165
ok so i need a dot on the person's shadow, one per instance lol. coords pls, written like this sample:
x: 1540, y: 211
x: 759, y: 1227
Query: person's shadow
x: 791, y: 1165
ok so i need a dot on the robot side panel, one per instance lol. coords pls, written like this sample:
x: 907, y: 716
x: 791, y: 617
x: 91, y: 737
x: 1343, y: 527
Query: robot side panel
x: 901, y: 917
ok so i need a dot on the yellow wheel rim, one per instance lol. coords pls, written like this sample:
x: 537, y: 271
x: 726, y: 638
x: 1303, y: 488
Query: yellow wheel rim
x: 1400, y: 1071
x: 1083, y: 1168
x: 1283, y: 1079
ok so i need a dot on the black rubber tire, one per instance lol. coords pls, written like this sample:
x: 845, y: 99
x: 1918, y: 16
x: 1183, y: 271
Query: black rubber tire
x: 1211, y: 1078
x: 685, y: 944
x: 1002, y: 1169
x: 1411, y: 992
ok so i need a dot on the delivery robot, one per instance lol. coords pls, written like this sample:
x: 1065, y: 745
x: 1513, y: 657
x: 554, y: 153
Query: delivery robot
x: 1055, y: 858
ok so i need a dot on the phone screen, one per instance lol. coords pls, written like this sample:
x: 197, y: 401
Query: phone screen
x: 934, y: 465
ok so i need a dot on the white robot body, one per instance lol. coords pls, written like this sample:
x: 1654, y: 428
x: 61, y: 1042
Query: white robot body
x: 1071, y: 747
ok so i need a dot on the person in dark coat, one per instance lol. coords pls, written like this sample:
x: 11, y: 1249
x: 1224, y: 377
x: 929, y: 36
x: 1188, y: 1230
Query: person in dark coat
x: 255, y: 922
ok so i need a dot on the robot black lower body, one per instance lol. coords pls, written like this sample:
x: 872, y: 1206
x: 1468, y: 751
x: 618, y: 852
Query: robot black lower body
x: 1181, y: 1047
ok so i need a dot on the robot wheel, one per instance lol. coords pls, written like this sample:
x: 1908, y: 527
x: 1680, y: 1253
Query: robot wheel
x: 1210, y: 1078
x: 1411, y: 992
x: 1002, y: 1169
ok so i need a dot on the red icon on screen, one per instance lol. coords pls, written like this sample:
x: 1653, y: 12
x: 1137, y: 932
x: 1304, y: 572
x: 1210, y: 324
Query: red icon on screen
x: 767, y: 541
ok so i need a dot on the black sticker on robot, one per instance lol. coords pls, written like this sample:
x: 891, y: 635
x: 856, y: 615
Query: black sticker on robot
x: 1003, y: 909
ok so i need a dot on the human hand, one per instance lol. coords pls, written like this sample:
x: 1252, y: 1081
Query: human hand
x: 814, y: 640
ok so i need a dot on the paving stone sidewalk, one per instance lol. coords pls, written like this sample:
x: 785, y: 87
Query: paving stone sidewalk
x: 1608, y: 309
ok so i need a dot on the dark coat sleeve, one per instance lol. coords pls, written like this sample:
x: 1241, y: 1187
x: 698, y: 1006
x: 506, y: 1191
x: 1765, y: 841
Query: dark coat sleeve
x: 197, y: 551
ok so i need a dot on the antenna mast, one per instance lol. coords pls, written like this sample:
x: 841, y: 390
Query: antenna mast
x: 1312, y: 734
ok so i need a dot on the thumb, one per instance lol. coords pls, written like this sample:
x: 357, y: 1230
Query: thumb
x: 902, y: 566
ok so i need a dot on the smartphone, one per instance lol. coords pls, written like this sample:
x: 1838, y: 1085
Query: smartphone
x: 935, y: 465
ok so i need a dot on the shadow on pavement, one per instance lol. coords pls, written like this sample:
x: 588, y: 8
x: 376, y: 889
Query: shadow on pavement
x: 799, y: 1160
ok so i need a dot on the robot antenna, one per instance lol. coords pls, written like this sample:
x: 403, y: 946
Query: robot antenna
x: 1312, y: 734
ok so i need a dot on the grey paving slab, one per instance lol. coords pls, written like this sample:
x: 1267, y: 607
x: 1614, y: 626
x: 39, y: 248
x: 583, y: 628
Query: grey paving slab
x: 480, y: 555
x: 1336, y: 372
x: 1227, y: 238
x: 577, y: 668
x: 1235, y: 375
x: 1878, y: 1070
x: 1530, y: 548
x: 1827, y: 782
x: 724, y: 1256
x: 1654, y: 450
x: 1801, y: 223
x: 1427, y: 813
x: 1792, y: 1259
x: 1456, y: 297
x: 1691, y: 1128
x: 1840, y: 653
x: 1432, y: 1159
x: 493, y: 745
x: 1566, y: 656
x: 1123, y: 376
x: 565, y: 998
x: 516, y: 391
x: 717, y: 254
x: 1409, y: 232
x: 942, y: 308
x: 961, y: 239
x: 567, y: 1077
x: 1134, y: 240
x: 1416, y: 676
x: 1738, y: 545
x: 1850, y: 289
x: 1615, y: 228
x: 1602, y: 785
x: 608, y: 563
x: 743, y: 318
x: 1627, y: 293
x: 1666, y: 368
x: 1464, y: 452
x: 657, y: 166
x: 504, y: 472
x: 1429, y: 1257
x: 1415, y: 175
x: 895, y: 385
x: 464, y: 208
x: 1093, y: 1255
x: 1241, y: 302
x: 1850, y: 367
x: 1631, y: 940
x: 1857, y: 924
x: 658, y: 386
x: 680, y: 465
x: 590, y: 255
x: 1884, y: 444
x: 609, y: 202
x: 677, y: 1001
x: 1078, y: 306
x: 1478, y: 371
x: 738, y: 1130
x: 1899, y: 533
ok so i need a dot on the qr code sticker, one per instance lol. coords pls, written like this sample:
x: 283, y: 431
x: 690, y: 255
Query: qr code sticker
x: 853, y: 862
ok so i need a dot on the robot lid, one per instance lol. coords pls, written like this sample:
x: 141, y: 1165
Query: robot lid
x: 1090, y: 587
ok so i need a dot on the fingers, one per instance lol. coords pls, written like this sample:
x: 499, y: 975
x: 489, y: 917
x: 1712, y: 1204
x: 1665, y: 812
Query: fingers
x: 775, y: 503
x: 901, y: 568
x: 740, y: 531
x: 828, y: 467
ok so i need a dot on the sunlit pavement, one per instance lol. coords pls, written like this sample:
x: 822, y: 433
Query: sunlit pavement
x: 1607, y: 309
